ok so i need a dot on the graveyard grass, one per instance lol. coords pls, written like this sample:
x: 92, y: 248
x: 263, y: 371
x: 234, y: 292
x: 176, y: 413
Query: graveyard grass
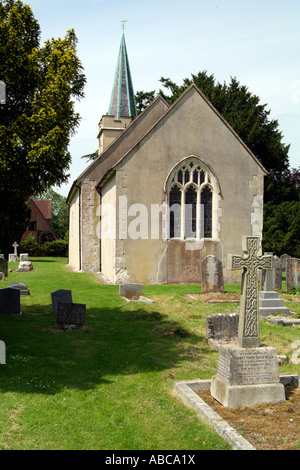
x: 110, y: 386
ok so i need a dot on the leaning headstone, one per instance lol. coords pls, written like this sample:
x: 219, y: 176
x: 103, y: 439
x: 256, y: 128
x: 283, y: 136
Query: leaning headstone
x: 3, y: 265
x: 10, y: 301
x: 131, y: 291
x: 212, y: 275
x: 247, y: 373
x: 292, y: 273
x: 70, y: 316
x: 61, y: 295
x: 21, y: 286
x: 221, y: 328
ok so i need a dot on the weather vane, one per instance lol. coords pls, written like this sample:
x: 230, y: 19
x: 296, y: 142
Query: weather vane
x: 123, y: 24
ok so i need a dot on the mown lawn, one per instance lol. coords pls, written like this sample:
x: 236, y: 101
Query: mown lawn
x: 109, y: 386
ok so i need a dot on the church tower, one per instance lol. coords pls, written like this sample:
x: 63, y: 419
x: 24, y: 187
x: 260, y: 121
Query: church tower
x: 122, y: 108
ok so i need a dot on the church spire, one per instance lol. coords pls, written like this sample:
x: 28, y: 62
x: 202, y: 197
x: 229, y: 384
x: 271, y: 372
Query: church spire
x: 122, y: 98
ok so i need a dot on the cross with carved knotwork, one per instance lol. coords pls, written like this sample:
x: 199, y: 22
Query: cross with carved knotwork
x: 250, y: 262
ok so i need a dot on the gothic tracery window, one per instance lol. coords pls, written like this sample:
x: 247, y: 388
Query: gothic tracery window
x: 190, y: 194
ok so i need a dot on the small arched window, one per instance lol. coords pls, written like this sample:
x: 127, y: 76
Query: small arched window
x: 190, y: 197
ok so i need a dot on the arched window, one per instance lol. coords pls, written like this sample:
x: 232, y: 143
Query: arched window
x: 191, y: 188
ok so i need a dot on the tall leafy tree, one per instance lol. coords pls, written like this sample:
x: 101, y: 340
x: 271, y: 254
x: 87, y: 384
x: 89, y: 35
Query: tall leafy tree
x: 39, y: 116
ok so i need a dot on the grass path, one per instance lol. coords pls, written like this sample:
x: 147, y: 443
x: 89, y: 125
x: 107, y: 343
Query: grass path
x: 109, y: 386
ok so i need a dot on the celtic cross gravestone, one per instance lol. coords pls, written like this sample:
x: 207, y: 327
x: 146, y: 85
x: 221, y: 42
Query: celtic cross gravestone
x: 250, y: 262
x: 247, y: 372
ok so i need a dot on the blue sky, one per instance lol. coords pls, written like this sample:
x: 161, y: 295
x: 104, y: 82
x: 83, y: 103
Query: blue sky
x: 257, y: 42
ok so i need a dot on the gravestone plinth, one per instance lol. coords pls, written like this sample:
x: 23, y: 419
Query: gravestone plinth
x: 247, y: 372
x: 247, y: 376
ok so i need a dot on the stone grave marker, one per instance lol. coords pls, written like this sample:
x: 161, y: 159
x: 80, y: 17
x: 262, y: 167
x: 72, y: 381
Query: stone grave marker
x: 24, y: 257
x: 269, y: 301
x: 61, y: 295
x: 3, y: 265
x: 70, y: 315
x: 131, y: 291
x: 21, y: 286
x: 212, y: 275
x: 10, y: 301
x: 14, y: 257
x: 292, y: 273
x: 221, y: 328
x: 2, y: 277
x: 247, y: 372
x: 2, y: 353
x: 283, y: 260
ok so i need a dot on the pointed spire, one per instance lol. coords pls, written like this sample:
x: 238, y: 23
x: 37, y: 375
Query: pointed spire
x: 122, y: 98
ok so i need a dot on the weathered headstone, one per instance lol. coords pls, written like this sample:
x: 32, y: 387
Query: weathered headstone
x: 24, y: 257
x: 21, y: 286
x: 3, y: 266
x: 292, y: 273
x: 61, y: 295
x: 248, y: 373
x: 212, y: 275
x: 131, y: 291
x: 283, y: 260
x: 272, y: 280
x: 71, y: 314
x: 221, y: 328
x: 10, y: 301
x: 2, y: 277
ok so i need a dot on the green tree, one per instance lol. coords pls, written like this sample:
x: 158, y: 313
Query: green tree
x: 39, y: 116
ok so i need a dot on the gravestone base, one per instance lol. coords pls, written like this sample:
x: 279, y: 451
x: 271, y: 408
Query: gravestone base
x: 247, y: 377
x: 270, y: 303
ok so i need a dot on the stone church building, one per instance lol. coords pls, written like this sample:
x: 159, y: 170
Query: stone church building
x: 169, y: 187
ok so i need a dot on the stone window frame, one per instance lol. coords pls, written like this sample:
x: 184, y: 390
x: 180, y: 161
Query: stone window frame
x: 209, y: 181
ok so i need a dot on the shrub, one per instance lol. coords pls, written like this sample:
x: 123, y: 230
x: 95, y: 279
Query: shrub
x: 28, y: 246
x: 58, y: 248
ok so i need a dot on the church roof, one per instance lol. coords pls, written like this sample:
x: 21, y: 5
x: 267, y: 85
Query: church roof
x: 122, y: 101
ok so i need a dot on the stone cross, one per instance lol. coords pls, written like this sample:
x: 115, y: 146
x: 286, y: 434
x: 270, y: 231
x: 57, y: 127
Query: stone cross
x: 15, y: 245
x: 250, y: 262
